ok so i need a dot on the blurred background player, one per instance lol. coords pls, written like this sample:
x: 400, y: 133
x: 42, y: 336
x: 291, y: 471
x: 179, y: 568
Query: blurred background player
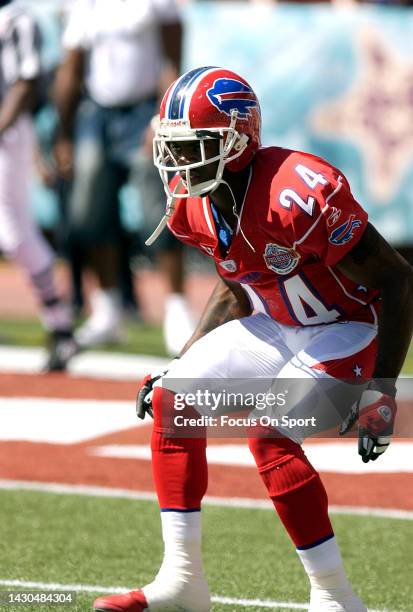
x: 120, y: 57
x: 20, y: 238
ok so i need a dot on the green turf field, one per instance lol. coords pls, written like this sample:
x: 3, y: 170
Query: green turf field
x: 73, y: 539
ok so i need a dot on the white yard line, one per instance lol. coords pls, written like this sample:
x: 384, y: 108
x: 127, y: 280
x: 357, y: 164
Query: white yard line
x: 63, y: 421
x: 87, y: 588
x: 51, y: 420
x: 228, y: 502
x: 334, y: 456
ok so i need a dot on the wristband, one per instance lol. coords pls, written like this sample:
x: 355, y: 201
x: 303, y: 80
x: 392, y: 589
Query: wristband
x: 384, y: 385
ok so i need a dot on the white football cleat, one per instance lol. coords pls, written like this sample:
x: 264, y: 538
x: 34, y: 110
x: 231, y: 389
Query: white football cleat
x: 335, y: 600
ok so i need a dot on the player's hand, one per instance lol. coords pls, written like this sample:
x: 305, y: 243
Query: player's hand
x: 145, y: 393
x: 375, y: 412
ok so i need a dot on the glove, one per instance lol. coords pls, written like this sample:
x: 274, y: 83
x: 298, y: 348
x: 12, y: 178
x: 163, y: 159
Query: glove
x: 375, y: 411
x: 145, y: 393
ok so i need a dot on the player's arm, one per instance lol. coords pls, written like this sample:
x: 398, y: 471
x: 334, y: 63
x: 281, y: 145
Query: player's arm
x: 227, y: 302
x: 16, y: 102
x: 68, y: 88
x: 374, y: 263
x: 171, y: 36
x: 67, y: 93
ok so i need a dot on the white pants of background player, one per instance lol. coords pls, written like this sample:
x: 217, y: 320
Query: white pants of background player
x: 20, y: 238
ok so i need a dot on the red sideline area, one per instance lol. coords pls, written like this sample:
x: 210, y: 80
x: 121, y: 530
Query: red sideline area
x: 73, y: 464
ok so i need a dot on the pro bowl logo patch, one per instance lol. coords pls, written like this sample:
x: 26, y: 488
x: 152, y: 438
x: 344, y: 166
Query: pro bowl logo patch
x: 230, y: 94
x: 279, y: 259
x: 344, y: 232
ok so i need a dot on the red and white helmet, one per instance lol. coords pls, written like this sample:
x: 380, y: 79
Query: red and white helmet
x: 207, y: 103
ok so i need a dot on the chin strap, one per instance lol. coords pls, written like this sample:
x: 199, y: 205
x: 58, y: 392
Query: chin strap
x: 170, y: 207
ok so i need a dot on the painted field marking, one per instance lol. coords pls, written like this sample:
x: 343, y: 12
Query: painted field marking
x: 87, y: 588
x: 63, y: 421
x: 72, y: 421
x: 209, y: 500
x: 94, y: 364
x: 338, y: 457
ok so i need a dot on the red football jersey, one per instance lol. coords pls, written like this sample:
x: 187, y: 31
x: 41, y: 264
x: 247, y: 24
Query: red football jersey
x: 298, y: 219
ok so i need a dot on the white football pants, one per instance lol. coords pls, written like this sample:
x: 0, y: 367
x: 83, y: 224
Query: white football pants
x: 257, y: 347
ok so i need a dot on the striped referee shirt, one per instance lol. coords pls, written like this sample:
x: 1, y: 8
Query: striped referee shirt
x: 19, y: 47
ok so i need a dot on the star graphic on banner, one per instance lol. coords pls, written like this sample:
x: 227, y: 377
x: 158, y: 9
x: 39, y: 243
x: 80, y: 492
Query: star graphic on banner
x: 357, y: 370
x: 376, y: 113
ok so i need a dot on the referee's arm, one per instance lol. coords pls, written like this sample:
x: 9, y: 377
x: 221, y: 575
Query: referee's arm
x: 17, y: 101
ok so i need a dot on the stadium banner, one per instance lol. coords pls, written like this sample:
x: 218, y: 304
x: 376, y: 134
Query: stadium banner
x: 337, y: 82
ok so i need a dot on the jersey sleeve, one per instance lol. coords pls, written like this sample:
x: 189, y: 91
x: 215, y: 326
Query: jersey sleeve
x: 167, y: 11
x: 75, y: 35
x: 326, y: 220
x: 28, y: 42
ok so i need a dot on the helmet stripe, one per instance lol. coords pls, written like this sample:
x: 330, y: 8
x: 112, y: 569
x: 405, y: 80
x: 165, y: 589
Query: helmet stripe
x: 195, y: 79
x: 171, y: 95
x: 192, y: 86
x: 178, y: 93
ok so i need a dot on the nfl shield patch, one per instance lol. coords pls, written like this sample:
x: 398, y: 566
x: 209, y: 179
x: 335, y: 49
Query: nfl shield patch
x: 280, y: 259
x: 230, y: 265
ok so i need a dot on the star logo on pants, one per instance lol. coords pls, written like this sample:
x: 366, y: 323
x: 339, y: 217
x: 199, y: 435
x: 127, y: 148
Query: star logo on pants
x: 357, y: 370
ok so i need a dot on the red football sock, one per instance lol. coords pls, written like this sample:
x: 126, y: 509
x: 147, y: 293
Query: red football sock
x: 179, y: 464
x: 295, y: 489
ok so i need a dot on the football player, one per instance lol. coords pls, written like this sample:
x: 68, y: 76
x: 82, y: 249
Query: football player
x: 307, y: 288
x: 20, y: 237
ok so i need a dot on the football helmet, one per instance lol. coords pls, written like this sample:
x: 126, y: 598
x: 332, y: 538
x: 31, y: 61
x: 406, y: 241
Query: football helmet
x: 203, y: 104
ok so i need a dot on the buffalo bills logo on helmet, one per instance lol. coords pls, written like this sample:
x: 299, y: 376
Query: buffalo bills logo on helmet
x: 344, y: 232
x: 230, y: 94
